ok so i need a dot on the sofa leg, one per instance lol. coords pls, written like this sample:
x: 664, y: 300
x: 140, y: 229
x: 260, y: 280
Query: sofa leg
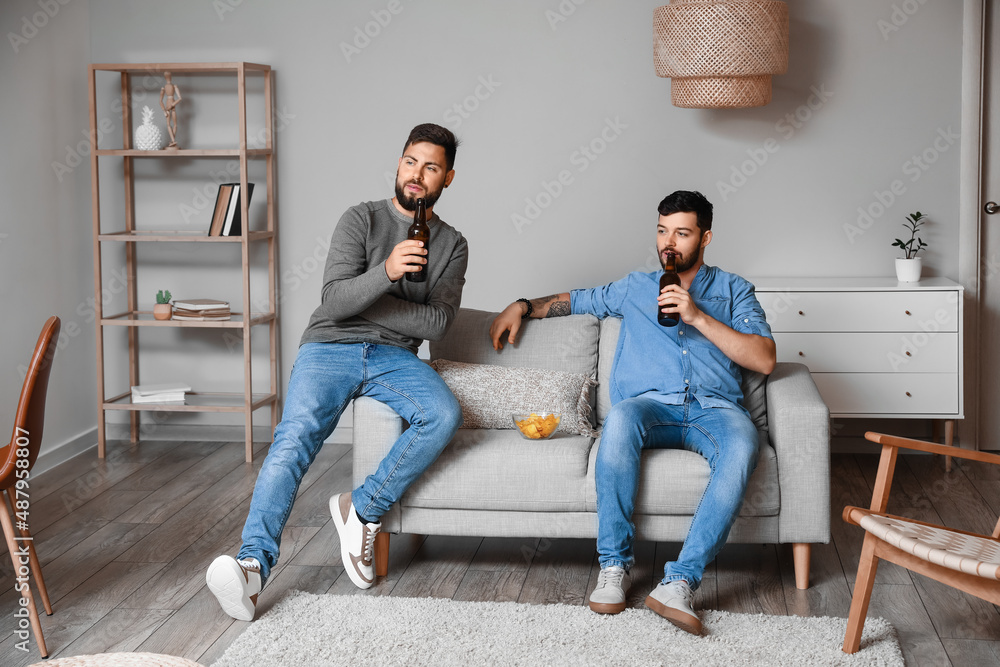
x: 381, y: 554
x: 801, y: 552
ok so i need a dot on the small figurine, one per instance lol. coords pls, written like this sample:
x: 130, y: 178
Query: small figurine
x: 172, y: 93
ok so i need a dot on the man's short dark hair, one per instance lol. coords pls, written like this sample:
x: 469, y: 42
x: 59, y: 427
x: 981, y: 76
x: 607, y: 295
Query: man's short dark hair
x: 435, y: 134
x: 686, y: 201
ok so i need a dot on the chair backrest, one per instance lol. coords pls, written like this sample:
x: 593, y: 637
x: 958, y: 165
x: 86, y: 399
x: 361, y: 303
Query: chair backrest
x: 29, y: 419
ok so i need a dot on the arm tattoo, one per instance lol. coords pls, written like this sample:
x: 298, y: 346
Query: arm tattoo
x: 539, y: 303
x: 558, y: 309
x: 550, y: 305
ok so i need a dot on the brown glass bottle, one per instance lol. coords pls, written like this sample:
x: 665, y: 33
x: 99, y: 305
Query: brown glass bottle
x: 419, y: 231
x: 669, y: 277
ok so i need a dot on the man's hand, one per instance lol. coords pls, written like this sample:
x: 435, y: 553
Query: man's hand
x: 508, y: 320
x: 751, y: 351
x: 676, y: 299
x: 405, y: 258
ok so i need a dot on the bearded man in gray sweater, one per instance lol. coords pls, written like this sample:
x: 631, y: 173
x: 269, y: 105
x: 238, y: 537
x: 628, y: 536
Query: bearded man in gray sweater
x: 362, y: 340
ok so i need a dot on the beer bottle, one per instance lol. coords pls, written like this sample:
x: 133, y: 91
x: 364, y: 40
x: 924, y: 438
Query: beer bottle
x: 669, y: 277
x: 419, y: 231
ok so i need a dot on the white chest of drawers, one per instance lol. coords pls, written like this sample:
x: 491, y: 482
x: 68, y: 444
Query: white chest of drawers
x: 875, y: 347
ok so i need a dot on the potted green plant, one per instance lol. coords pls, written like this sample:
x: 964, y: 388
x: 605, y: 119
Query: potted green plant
x: 163, y: 310
x: 908, y: 267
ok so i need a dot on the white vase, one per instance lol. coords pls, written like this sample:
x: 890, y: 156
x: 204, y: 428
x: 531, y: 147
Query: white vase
x: 908, y: 270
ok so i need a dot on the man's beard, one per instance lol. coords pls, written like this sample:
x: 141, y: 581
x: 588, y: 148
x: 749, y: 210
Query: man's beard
x: 410, y: 203
x: 681, y: 265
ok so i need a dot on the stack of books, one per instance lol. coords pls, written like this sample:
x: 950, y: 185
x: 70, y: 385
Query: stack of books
x: 201, y: 309
x: 159, y: 393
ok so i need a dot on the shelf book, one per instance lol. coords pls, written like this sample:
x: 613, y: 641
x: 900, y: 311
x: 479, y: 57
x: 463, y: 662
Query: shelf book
x: 201, y: 309
x: 226, y: 218
x: 159, y: 393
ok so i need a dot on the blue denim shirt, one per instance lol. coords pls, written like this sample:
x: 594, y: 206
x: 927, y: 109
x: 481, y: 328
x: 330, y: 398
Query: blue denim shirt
x: 671, y: 363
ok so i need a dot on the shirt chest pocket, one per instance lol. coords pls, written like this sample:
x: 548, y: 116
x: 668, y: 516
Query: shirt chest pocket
x: 718, y: 307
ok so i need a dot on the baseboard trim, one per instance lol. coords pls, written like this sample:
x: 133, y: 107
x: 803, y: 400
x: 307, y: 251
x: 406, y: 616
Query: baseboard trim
x: 64, y: 452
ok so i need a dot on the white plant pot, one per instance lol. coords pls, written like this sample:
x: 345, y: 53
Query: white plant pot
x: 908, y: 270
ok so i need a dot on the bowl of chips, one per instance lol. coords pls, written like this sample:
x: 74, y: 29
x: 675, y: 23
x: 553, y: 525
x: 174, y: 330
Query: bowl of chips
x: 537, y: 425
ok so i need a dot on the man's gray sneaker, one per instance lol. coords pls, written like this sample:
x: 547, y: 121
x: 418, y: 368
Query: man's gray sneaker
x: 608, y: 596
x: 672, y: 601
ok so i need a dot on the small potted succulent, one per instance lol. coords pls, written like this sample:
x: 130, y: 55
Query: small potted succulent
x: 909, y: 265
x: 162, y: 310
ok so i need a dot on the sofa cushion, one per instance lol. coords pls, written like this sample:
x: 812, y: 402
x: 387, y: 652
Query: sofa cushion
x: 499, y: 470
x: 490, y: 394
x: 754, y: 384
x: 672, y: 481
x: 560, y: 343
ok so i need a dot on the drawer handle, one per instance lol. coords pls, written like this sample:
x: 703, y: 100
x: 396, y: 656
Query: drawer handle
x: 909, y: 394
x: 801, y: 353
x: 907, y: 312
x: 908, y: 353
x: 801, y: 313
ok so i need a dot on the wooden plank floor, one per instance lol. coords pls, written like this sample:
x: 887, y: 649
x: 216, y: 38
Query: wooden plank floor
x: 125, y: 543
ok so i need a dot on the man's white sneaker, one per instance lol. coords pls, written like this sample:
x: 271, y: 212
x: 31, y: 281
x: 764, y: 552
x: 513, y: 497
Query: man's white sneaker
x: 357, y: 540
x: 608, y: 597
x: 672, y: 601
x: 235, y: 584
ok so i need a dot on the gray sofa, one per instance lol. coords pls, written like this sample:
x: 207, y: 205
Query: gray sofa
x: 492, y: 482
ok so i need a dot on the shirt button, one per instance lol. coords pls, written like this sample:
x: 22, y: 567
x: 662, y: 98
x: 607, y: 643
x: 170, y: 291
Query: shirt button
x: 684, y: 351
x: 746, y: 320
x: 685, y: 381
x: 680, y: 333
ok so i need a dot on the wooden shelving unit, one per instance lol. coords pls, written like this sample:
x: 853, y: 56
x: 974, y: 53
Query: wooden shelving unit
x: 126, y: 236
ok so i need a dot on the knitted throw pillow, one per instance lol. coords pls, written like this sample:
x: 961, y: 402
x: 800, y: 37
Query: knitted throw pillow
x: 489, y: 395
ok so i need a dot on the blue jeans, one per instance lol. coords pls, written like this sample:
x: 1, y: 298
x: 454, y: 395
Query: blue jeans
x: 325, y: 377
x: 726, y: 437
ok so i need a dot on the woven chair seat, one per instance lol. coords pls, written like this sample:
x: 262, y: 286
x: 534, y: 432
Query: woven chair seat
x: 119, y: 660
x: 978, y: 556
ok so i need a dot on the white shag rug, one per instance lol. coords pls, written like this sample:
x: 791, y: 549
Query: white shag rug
x: 349, y: 630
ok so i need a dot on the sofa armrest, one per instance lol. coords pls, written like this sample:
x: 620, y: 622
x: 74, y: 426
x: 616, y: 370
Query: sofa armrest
x: 376, y: 428
x: 798, y: 424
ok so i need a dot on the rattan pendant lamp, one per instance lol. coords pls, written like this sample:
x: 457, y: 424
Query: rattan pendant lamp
x: 720, y: 54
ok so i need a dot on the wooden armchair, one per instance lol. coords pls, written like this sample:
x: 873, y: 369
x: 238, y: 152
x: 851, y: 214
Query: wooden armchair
x: 962, y: 560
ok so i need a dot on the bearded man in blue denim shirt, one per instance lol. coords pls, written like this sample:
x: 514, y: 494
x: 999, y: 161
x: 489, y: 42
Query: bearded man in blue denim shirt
x: 670, y: 387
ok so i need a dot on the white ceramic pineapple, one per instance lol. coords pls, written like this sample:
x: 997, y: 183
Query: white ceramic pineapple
x: 147, y: 136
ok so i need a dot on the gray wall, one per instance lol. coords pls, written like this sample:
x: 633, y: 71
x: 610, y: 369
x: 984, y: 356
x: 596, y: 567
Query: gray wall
x: 45, y: 228
x: 870, y: 104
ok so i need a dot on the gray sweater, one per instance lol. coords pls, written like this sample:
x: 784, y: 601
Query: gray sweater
x: 361, y: 305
